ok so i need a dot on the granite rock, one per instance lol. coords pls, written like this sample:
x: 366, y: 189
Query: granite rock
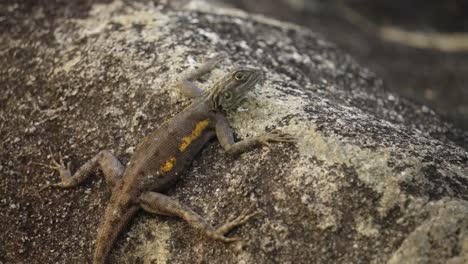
x: 373, y: 177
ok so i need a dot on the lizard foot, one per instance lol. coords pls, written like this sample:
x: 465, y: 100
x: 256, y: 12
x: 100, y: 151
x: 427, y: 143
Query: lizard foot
x: 276, y: 136
x: 64, y: 172
x: 219, y: 233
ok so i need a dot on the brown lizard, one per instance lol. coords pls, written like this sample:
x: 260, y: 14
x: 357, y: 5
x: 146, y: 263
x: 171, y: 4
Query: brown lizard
x: 165, y: 154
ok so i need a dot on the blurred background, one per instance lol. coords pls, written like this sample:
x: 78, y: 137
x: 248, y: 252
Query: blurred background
x: 419, y: 47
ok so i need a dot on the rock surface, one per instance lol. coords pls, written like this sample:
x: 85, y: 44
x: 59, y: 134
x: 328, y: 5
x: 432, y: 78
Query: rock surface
x: 373, y: 178
x: 383, y: 34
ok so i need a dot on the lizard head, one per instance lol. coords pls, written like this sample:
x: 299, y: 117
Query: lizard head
x: 229, y: 91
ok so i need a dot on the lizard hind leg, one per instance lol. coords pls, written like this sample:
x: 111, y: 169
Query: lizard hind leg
x: 164, y: 205
x: 105, y: 160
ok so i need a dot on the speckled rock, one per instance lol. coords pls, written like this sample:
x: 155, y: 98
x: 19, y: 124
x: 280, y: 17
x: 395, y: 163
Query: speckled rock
x: 373, y: 177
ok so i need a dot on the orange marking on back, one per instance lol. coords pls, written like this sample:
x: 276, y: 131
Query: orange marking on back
x: 168, y: 165
x: 196, y: 132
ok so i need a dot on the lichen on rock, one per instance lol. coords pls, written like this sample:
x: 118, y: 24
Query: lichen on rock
x: 372, y: 178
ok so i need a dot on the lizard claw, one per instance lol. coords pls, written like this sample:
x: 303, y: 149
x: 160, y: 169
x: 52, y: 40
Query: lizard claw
x: 228, y: 239
x: 276, y: 136
x: 64, y: 172
x: 232, y: 222
x: 49, y: 185
x: 43, y: 165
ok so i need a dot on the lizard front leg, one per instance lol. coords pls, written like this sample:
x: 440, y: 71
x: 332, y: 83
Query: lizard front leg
x: 105, y: 160
x: 224, y: 133
x: 186, y: 85
x: 161, y: 204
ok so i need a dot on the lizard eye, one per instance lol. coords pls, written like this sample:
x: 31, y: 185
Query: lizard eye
x: 239, y: 76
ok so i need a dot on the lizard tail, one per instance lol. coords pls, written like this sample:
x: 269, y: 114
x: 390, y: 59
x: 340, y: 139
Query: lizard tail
x: 114, y: 222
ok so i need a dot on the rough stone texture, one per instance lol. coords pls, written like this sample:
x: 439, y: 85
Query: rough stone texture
x: 373, y: 178
x: 428, y: 76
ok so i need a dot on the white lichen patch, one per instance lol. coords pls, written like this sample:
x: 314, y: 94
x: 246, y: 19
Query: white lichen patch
x: 371, y: 165
x: 266, y: 107
x: 154, y: 250
x: 442, y: 238
x: 102, y: 15
x: 137, y: 26
x: 366, y: 227
x: 67, y: 66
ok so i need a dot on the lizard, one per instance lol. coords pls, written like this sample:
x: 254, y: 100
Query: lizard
x: 164, y: 154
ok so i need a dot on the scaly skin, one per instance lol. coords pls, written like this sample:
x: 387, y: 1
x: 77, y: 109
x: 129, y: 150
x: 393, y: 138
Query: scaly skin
x: 163, y: 155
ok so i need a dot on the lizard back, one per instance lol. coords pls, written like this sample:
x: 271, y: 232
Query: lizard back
x: 167, y: 151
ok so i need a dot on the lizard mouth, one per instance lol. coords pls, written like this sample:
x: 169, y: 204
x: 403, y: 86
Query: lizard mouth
x: 255, y: 78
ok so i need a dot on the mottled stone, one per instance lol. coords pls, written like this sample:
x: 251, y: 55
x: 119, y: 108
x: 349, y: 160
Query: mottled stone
x: 373, y: 177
